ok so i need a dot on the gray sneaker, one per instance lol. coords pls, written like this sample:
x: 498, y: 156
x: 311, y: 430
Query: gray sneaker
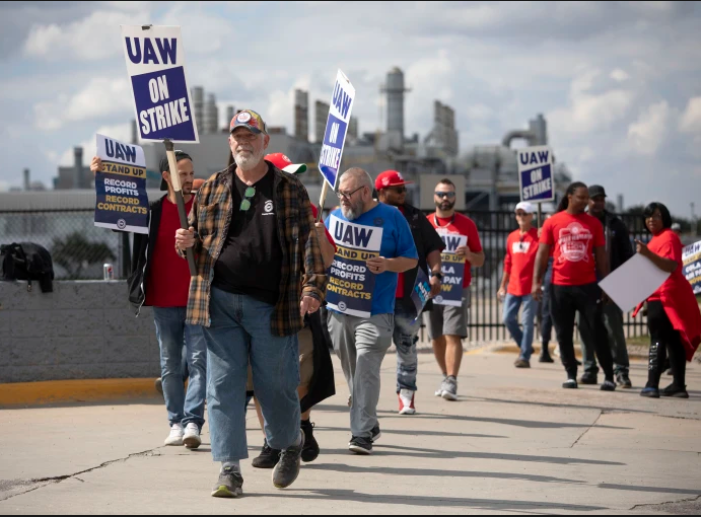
x: 287, y: 469
x: 229, y: 485
x: 450, y: 389
x: 439, y: 391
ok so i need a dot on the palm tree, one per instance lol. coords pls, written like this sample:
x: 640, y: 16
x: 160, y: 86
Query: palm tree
x: 75, y: 253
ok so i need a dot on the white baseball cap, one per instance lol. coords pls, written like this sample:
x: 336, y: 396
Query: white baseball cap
x: 525, y: 206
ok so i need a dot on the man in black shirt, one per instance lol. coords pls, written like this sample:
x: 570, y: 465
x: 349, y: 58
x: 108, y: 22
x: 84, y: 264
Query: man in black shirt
x: 619, y: 250
x: 391, y: 189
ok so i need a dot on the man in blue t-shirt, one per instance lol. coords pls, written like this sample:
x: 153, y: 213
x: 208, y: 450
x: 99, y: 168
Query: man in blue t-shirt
x: 361, y: 294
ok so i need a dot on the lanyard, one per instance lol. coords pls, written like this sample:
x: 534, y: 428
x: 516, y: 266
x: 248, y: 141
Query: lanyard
x: 435, y: 220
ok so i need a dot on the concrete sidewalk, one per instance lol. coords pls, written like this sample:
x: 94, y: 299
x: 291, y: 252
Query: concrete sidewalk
x: 515, y: 442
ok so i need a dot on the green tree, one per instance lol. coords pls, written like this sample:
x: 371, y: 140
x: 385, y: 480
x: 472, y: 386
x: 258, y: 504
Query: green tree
x: 75, y: 253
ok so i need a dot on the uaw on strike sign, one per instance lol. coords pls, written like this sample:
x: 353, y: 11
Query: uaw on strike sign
x: 535, y: 171
x: 122, y: 203
x: 155, y: 63
x: 336, y: 129
x: 350, y: 286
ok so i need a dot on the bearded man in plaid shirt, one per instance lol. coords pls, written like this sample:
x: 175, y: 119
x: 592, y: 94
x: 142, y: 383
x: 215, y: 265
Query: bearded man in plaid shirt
x: 259, y: 272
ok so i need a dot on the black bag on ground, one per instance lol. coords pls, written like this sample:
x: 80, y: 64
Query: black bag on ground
x: 27, y: 261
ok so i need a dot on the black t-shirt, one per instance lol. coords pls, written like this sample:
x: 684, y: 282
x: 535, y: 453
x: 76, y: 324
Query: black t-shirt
x: 251, y: 260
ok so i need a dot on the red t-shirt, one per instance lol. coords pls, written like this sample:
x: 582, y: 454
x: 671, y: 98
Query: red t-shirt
x: 667, y: 245
x: 461, y: 225
x: 574, y: 238
x: 519, y: 262
x: 168, y: 283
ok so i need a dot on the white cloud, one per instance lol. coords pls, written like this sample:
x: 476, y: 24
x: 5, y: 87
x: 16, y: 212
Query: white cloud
x: 691, y: 119
x: 619, y: 75
x: 95, y: 37
x: 101, y: 97
x: 648, y: 133
x: 120, y: 132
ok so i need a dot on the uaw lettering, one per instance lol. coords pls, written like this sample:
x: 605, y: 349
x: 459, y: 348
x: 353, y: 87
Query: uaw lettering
x: 421, y: 293
x: 535, y: 168
x: 453, y: 269
x: 336, y: 129
x: 122, y: 203
x: 691, y: 258
x: 350, y: 284
x: 155, y: 63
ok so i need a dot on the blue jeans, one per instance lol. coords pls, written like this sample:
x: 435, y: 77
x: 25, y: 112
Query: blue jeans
x: 523, y: 338
x: 406, y: 332
x: 240, y: 328
x: 172, y: 332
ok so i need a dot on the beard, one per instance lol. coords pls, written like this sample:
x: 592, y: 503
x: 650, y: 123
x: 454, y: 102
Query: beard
x: 352, y: 212
x: 445, y: 205
x: 248, y: 161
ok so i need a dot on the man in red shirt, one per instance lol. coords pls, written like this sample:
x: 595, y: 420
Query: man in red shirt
x: 447, y: 325
x: 161, y: 279
x: 519, y: 265
x: 580, y: 249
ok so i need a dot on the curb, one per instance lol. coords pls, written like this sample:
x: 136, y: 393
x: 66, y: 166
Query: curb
x: 30, y: 394
x: 513, y: 349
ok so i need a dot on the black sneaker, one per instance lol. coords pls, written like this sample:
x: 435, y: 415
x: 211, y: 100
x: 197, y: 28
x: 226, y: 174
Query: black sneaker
x: 522, y: 363
x: 590, y: 379
x: 268, y: 458
x: 361, y: 446
x: 608, y: 386
x: 287, y: 470
x: 571, y: 384
x: 675, y: 391
x: 376, y: 433
x: 310, y: 452
x: 229, y: 484
x: 546, y: 359
x: 650, y: 393
x: 624, y: 381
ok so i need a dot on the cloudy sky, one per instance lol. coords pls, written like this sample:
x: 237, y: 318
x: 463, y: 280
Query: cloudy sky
x: 619, y: 82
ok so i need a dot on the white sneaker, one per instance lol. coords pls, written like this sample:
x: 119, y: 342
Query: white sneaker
x: 406, y: 402
x: 192, y: 438
x: 439, y: 391
x: 176, y: 435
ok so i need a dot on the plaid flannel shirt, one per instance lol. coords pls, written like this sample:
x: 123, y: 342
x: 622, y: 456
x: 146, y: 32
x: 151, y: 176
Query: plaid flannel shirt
x: 303, y: 271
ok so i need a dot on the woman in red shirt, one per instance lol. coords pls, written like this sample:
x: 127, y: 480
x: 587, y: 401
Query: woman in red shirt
x: 673, y: 315
x: 579, y: 245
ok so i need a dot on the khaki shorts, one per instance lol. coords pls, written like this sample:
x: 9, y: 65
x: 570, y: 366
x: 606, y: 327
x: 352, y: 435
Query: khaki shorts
x: 445, y: 320
x: 306, y: 360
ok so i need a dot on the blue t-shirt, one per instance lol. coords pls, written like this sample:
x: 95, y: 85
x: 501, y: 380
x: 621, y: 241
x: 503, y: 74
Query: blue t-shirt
x: 397, y: 241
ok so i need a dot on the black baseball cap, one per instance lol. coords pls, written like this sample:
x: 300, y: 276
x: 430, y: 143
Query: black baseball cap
x: 165, y: 166
x: 596, y: 191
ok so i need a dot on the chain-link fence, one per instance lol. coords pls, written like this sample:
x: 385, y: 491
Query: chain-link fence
x: 78, y: 248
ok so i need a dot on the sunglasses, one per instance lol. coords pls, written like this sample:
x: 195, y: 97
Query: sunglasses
x: 397, y: 190
x: 449, y: 195
x: 248, y: 195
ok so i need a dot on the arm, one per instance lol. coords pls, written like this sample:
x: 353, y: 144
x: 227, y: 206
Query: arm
x: 507, y: 272
x: 400, y: 264
x: 328, y: 251
x: 435, y: 266
x: 475, y: 259
x: 314, y: 279
x: 602, y: 261
x: 190, y: 238
x: 665, y: 264
x: 541, y: 266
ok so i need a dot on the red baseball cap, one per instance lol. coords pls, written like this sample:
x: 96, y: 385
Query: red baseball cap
x: 283, y: 163
x: 390, y: 179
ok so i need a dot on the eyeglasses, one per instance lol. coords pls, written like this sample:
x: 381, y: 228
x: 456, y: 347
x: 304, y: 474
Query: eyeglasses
x: 449, y: 195
x: 397, y: 190
x: 248, y: 195
x: 349, y: 195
